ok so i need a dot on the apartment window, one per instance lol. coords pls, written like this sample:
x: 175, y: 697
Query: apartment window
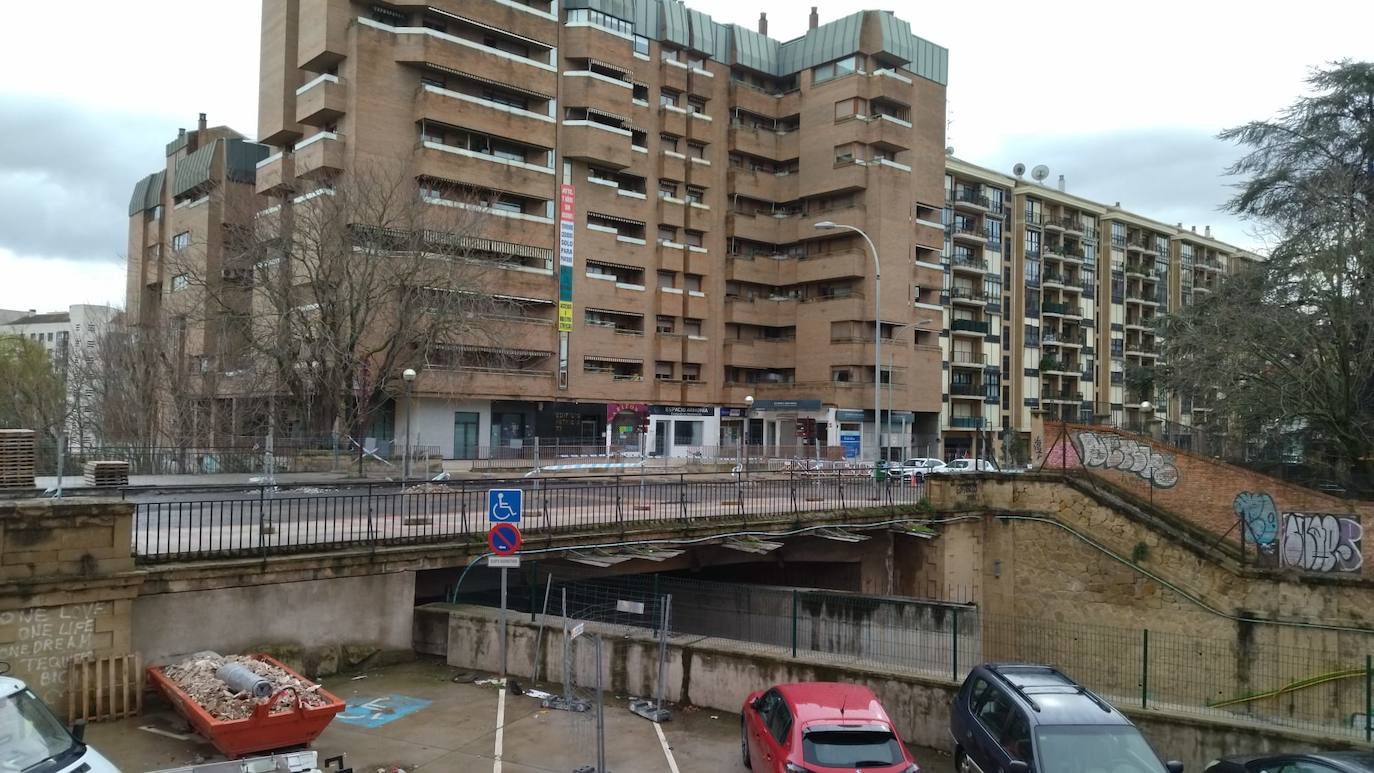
x: 179, y: 282
x: 1032, y: 273
x: 830, y: 70
x: 845, y: 154
x: 1118, y: 234
x: 695, y: 194
x: 181, y: 241
x: 992, y: 229
x: 155, y: 213
x: 667, y: 233
x: 1032, y: 335
x: 992, y: 285
x: 696, y: 104
x: 506, y: 98
x: 667, y: 189
x: 693, y: 238
x: 639, y: 92
x: 668, y: 97
x: 841, y: 375
x: 668, y: 54
x: 641, y: 45
x: 1032, y: 243
x: 668, y: 141
x: 667, y: 278
x: 696, y: 150
x: 691, y: 371
x: 664, y: 324
x: 1118, y: 349
x: 430, y: 80
x: 691, y: 283
x: 692, y: 327
x: 847, y: 107
x: 506, y: 45
x: 599, y: 19
x: 688, y: 433
x: 437, y: 25
x: 663, y: 371
x: 995, y: 199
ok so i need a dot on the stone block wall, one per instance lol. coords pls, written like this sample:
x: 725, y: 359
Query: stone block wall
x: 67, y: 583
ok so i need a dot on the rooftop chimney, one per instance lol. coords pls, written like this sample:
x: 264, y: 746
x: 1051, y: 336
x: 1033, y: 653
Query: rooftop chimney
x: 815, y: 18
x: 1207, y: 232
x: 200, y: 124
x: 763, y: 24
x: 1194, y: 229
x: 1061, y: 182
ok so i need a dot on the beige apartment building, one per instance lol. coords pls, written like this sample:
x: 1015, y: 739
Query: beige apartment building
x: 1079, y: 286
x: 693, y: 160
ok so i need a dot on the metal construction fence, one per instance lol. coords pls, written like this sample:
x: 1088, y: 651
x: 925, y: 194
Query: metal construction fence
x: 1316, y: 679
x: 268, y: 522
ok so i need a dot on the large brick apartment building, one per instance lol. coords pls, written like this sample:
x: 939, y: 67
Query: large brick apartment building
x: 690, y: 162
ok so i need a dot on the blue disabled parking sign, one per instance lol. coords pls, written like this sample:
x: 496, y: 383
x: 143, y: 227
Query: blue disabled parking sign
x: 504, y: 505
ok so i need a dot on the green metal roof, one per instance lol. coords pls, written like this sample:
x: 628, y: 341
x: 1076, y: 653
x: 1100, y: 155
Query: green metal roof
x: 241, y: 160
x: 147, y: 193
x: 194, y: 170
x: 671, y: 21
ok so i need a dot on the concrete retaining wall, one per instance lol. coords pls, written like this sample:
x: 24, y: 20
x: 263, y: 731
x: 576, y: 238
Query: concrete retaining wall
x: 719, y: 674
x: 346, y: 616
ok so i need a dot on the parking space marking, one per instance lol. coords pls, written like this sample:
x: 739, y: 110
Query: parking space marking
x: 380, y: 711
x: 667, y: 752
x: 500, y: 727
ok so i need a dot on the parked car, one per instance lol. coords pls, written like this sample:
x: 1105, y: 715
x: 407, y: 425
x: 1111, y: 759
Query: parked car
x: 918, y: 467
x: 820, y: 727
x: 1020, y: 718
x: 1317, y: 762
x: 970, y: 465
x: 34, y: 741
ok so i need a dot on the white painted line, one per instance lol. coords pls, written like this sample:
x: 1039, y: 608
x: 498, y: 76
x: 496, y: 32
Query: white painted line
x: 500, y: 727
x: 160, y: 731
x: 663, y: 740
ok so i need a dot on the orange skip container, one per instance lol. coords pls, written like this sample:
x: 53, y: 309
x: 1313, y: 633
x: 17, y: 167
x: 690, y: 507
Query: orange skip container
x: 263, y: 730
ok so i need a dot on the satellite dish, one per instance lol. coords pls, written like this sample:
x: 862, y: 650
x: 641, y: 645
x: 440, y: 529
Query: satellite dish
x: 1040, y: 172
x: 1019, y: 169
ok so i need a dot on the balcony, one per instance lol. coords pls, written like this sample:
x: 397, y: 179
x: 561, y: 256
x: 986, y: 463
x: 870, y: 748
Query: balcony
x: 967, y: 391
x: 681, y: 348
x: 845, y: 264
x: 967, y: 359
x: 1060, y: 309
x: 762, y: 185
x: 1073, y: 224
x: 762, y: 227
x: 1060, y: 396
x: 452, y: 163
x: 968, y: 295
x: 321, y: 101
x: 768, y: 353
x: 275, y: 173
x: 761, y: 311
x: 968, y: 263
x: 889, y: 131
x: 1056, y: 367
x: 597, y: 143
x: 1053, y: 339
x: 584, y: 88
x: 483, y: 115
x: 421, y: 46
x: 968, y: 326
x: 773, y: 270
x: 778, y: 146
x: 967, y: 422
x: 509, y: 382
x: 971, y: 201
x: 968, y: 233
x: 320, y: 155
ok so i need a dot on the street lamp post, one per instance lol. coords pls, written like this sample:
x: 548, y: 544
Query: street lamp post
x: 744, y: 436
x: 827, y: 225
x: 408, y: 376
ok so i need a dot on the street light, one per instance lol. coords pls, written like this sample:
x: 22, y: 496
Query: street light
x: 827, y: 225
x: 408, y: 376
x: 744, y: 436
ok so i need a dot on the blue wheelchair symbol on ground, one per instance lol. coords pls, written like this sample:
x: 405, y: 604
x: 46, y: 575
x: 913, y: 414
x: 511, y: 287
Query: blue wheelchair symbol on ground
x: 504, y: 505
x: 380, y: 711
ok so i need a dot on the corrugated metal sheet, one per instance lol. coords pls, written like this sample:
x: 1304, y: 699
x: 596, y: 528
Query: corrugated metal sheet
x: 194, y: 169
x: 676, y: 27
x: 147, y: 193
x: 241, y: 160
x: 824, y: 44
x: 755, y: 51
x: 924, y: 58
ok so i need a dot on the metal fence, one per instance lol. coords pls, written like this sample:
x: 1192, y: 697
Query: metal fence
x: 286, y: 456
x: 1299, y: 678
x: 271, y: 522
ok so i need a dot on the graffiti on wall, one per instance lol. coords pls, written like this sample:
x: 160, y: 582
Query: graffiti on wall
x: 1113, y: 452
x: 1312, y: 542
x: 1259, y: 517
x: 1321, y: 542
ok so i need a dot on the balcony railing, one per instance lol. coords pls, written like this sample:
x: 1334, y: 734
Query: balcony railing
x: 1056, y: 308
x: 969, y: 325
x: 972, y: 197
x: 966, y: 422
x: 968, y: 261
x: 968, y: 358
x: 966, y: 390
x: 968, y: 293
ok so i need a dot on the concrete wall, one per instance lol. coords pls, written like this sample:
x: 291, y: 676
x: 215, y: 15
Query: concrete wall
x: 373, y: 612
x: 434, y: 422
x: 719, y: 674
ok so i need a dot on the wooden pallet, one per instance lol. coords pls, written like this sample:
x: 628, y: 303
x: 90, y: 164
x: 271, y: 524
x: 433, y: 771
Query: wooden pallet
x: 104, y: 688
x: 16, y: 458
x: 110, y: 473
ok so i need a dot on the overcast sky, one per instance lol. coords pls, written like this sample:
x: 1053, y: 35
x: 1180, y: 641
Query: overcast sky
x: 1123, y: 99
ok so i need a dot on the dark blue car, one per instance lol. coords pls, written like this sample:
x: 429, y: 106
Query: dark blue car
x: 1021, y: 718
x: 1317, y: 762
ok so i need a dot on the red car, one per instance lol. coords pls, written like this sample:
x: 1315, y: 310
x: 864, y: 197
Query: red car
x: 820, y: 727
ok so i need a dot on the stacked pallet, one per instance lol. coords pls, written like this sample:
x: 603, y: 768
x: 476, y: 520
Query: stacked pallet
x: 107, y: 473
x: 16, y: 458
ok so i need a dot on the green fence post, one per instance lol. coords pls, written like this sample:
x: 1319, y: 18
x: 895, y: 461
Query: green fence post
x: 1368, y: 698
x: 954, y: 648
x: 1144, y: 668
x: 794, y: 622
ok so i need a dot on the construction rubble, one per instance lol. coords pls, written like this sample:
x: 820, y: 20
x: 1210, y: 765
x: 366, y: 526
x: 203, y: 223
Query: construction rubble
x: 196, y: 676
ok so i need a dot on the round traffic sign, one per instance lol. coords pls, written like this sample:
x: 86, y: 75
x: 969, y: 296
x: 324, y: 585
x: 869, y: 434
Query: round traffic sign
x: 504, y: 539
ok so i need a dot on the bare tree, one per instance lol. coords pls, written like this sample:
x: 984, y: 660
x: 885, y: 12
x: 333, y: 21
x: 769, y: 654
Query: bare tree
x: 322, y: 299
x: 1289, y: 342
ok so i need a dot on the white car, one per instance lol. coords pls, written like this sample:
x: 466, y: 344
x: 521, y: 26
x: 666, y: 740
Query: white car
x: 32, y: 739
x: 918, y: 467
x: 970, y: 465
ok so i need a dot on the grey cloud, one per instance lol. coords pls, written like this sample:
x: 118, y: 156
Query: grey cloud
x: 66, y: 173
x: 1167, y: 174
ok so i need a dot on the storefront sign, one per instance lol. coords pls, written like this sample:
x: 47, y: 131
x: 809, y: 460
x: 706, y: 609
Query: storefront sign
x: 735, y: 413
x: 849, y: 441
x: 682, y: 410
x: 847, y: 414
x: 787, y: 405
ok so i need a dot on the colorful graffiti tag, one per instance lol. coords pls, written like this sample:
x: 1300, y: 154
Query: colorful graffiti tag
x: 1312, y: 542
x: 1113, y: 452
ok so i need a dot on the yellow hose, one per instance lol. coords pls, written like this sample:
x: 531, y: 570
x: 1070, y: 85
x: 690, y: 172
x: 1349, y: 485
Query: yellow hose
x: 1301, y: 684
